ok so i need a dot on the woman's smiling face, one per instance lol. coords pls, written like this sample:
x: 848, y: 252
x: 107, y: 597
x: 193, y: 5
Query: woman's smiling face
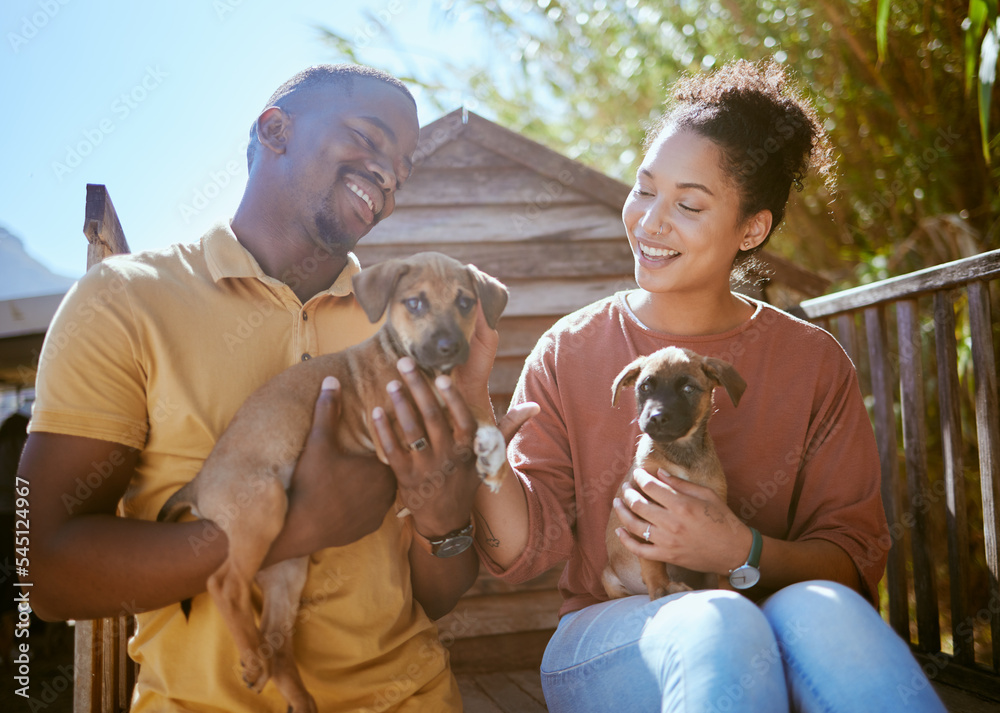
x: 683, y: 216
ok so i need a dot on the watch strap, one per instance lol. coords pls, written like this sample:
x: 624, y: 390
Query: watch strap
x: 758, y: 544
x: 435, y: 545
x: 748, y: 574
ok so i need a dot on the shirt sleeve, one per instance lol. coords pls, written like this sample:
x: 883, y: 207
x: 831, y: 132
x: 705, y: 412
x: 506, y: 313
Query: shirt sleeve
x: 91, y: 379
x: 838, y: 498
x: 547, y: 478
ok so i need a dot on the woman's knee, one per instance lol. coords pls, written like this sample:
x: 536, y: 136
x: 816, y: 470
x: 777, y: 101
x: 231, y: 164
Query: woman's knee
x: 714, y: 619
x: 806, y: 612
x: 817, y: 600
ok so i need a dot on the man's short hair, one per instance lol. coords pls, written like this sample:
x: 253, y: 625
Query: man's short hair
x: 321, y: 75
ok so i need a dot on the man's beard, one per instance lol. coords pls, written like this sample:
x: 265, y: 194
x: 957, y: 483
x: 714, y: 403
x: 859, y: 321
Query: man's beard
x: 332, y: 235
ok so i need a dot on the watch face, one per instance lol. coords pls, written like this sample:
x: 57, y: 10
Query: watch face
x: 453, y: 546
x: 744, y: 577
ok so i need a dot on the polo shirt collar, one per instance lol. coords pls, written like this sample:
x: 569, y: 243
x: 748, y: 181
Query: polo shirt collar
x: 228, y: 258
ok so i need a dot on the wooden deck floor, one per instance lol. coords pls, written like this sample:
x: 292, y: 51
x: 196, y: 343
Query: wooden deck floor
x: 504, y: 692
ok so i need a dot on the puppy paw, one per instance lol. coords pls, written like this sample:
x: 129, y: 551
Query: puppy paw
x: 255, y: 672
x: 662, y: 590
x: 491, y: 456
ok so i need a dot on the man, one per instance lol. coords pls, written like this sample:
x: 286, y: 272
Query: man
x: 148, y: 359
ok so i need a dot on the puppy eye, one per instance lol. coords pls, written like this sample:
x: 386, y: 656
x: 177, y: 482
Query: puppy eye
x: 465, y: 303
x: 646, y: 386
x: 689, y: 389
x: 416, y: 305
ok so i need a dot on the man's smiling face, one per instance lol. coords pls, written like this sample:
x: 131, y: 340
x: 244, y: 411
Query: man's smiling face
x: 348, y: 153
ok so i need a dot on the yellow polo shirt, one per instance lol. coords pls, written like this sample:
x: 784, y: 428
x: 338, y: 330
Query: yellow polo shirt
x: 157, y: 351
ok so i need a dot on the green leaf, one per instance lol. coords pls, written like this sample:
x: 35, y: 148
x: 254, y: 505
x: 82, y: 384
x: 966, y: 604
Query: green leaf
x: 978, y: 13
x: 987, y: 77
x: 882, y: 28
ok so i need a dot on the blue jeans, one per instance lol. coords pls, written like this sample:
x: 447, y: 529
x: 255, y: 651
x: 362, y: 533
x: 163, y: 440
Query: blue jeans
x: 813, y: 646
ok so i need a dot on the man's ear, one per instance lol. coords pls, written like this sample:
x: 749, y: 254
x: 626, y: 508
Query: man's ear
x: 273, y: 127
x: 375, y: 285
x: 492, y: 294
x: 626, y: 377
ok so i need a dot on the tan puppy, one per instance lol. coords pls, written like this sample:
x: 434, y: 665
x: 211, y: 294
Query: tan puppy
x: 431, y: 303
x: 673, y: 394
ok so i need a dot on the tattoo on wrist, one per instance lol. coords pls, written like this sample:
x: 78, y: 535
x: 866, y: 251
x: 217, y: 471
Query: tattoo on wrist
x: 488, y: 538
x: 713, y: 516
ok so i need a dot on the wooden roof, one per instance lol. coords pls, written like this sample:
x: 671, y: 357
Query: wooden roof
x: 514, y: 208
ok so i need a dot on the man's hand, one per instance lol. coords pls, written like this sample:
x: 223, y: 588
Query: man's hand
x: 437, y: 480
x: 335, y: 499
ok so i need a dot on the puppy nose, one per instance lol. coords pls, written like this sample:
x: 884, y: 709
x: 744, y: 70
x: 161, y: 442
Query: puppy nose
x: 659, y: 418
x: 447, y: 346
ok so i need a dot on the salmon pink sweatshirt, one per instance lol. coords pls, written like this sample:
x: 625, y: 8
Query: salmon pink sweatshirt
x: 798, y: 452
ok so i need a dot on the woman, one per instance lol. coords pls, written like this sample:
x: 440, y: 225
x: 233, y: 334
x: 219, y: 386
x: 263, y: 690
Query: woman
x: 803, y: 507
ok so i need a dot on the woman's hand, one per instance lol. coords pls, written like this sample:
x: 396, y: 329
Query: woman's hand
x: 688, y: 524
x: 472, y: 379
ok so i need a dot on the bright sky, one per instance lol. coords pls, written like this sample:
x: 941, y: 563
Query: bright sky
x: 155, y: 100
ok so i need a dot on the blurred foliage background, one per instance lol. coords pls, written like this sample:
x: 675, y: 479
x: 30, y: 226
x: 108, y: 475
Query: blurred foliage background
x: 918, y: 184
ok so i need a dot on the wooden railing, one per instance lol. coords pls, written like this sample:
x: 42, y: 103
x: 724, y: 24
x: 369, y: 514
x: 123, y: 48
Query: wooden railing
x: 104, y: 675
x: 926, y: 481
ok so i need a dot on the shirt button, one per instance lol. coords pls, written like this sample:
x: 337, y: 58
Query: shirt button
x: 306, y: 357
x: 305, y: 317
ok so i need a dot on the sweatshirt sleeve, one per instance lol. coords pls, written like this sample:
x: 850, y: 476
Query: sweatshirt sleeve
x: 548, y: 477
x: 838, y: 498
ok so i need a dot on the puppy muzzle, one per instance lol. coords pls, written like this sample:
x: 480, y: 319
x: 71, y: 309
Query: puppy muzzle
x: 663, y: 426
x: 442, y: 352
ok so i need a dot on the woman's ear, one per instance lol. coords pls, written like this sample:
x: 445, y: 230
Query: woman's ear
x: 756, y: 229
x: 272, y: 129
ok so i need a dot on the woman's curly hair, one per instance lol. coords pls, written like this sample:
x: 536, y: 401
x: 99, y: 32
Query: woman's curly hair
x: 769, y: 135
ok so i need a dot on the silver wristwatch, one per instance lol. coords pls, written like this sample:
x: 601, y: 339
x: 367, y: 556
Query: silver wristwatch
x: 748, y: 574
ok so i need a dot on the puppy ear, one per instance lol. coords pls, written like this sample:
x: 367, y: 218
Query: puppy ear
x: 723, y: 373
x: 492, y: 294
x: 627, y: 377
x: 375, y: 285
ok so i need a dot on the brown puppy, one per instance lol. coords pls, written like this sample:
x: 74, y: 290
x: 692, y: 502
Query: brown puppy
x: 673, y: 394
x: 430, y: 300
